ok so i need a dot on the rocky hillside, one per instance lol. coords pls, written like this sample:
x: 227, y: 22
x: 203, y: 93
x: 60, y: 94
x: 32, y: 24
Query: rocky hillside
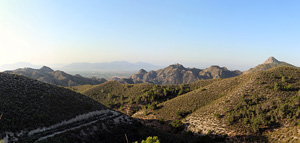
x: 254, y: 107
x: 46, y: 74
x: 271, y: 62
x: 178, y: 74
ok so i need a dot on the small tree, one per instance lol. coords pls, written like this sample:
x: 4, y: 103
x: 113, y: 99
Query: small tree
x: 177, y: 125
x: 150, y: 140
x: 153, y: 105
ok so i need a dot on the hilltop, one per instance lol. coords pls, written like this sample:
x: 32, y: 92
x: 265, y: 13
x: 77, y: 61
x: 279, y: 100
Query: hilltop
x: 178, y: 74
x: 46, y: 74
x: 271, y: 62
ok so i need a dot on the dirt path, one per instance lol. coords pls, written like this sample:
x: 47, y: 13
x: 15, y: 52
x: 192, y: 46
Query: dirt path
x: 69, y: 125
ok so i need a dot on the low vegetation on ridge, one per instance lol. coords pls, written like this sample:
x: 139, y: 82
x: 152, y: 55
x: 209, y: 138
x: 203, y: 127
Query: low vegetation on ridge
x: 130, y: 98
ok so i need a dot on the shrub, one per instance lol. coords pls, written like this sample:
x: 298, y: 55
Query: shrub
x: 246, y: 120
x: 218, y: 116
x: 146, y: 112
x: 283, y: 78
x: 177, y: 125
x: 289, y: 87
x: 276, y: 87
x: 150, y: 140
x: 202, y: 89
x: 152, y: 106
x: 181, y: 113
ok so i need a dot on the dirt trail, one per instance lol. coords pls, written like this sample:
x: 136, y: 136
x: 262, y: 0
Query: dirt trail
x: 77, y: 122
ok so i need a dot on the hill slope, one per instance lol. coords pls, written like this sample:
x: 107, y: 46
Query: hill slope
x: 34, y: 111
x: 46, y: 74
x: 178, y: 74
x: 241, y: 107
x: 129, y: 98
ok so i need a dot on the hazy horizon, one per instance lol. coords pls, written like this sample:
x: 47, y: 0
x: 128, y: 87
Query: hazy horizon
x: 234, y: 34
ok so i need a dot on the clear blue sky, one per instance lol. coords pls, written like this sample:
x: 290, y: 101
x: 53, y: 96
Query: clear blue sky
x: 238, y: 34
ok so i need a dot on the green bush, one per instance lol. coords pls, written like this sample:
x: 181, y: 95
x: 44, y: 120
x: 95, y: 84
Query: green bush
x: 276, y: 87
x: 177, y: 125
x: 181, y: 113
x: 199, y: 131
x: 218, y: 116
x: 152, y: 106
x: 150, y: 140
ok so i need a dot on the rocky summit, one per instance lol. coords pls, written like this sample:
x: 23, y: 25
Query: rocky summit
x: 271, y: 62
x: 178, y: 74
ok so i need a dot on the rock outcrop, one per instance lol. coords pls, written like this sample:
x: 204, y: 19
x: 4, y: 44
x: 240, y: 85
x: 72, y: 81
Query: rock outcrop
x: 178, y: 74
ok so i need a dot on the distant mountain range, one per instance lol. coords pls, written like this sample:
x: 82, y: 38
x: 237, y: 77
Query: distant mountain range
x: 18, y: 65
x: 109, y: 66
x: 178, y: 74
x: 46, y: 74
x: 173, y: 74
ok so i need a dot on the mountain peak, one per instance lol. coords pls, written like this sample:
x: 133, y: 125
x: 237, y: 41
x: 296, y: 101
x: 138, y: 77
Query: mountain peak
x: 214, y: 66
x: 142, y: 71
x: 272, y: 60
x: 46, y: 69
x: 177, y: 65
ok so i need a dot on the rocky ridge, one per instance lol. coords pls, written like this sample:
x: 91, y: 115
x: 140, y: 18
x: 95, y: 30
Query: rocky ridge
x: 48, y: 75
x: 178, y: 74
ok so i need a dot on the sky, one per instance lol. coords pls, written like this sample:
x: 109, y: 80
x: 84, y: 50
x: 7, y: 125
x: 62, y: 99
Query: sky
x: 238, y: 34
